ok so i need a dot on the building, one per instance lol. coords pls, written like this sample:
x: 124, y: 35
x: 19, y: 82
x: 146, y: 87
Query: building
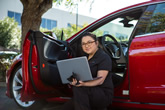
x: 52, y: 18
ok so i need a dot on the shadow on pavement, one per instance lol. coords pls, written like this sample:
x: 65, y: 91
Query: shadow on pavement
x: 9, y: 104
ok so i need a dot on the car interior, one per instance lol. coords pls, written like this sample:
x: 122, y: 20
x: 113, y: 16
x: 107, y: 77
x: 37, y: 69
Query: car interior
x: 114, y: 38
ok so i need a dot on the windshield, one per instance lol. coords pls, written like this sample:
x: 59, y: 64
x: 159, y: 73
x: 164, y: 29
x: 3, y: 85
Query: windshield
x: 120, y: 28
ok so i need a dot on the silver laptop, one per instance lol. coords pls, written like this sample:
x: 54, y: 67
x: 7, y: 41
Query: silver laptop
x: 78, y: 66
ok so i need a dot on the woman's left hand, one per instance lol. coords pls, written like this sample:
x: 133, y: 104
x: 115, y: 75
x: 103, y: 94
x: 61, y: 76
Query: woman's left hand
x: 81, y: 83
x: 74, y: 83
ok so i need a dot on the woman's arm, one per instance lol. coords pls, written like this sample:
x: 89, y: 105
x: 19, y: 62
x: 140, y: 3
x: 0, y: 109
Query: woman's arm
x: 101, y: 73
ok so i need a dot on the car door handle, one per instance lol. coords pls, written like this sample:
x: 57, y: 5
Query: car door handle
x: 35, y: 66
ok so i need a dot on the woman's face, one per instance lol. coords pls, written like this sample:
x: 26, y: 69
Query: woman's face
x: 89, y: 45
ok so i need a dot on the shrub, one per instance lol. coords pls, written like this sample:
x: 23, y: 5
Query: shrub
x: 68, y: 32
x: 10, y: 33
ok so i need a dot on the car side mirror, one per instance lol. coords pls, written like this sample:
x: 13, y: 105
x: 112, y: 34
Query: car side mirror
x: 128, y: 25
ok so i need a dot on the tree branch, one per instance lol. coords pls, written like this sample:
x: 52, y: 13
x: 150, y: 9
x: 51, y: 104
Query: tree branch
x: 44, y: 6
x: 39, y: 1
x: 24, y: 2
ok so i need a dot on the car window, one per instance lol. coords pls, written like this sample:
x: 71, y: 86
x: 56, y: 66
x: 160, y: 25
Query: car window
x: 144, y: 20
x: 153, y: 20
x: 121, y: 27
x: 157, y: 21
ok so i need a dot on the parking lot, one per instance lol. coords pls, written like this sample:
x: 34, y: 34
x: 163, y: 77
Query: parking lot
x: 9, y: 104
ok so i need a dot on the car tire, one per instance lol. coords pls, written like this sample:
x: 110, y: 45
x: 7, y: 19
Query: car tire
x: 16, y: 86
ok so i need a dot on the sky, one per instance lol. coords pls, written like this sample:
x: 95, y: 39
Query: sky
x: 100, y: 7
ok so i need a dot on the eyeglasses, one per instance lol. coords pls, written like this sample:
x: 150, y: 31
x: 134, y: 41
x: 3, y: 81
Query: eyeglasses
x: 89, y: 43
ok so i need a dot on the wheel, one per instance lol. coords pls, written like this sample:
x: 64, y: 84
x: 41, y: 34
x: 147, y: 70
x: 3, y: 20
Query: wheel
x: 16, y: 86
x: 113, y: 47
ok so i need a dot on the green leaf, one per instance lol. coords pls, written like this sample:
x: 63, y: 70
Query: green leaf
x: 9, y: 33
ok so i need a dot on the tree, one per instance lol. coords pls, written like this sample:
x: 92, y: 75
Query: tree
x: 33, y: 11
x: 9, y: 33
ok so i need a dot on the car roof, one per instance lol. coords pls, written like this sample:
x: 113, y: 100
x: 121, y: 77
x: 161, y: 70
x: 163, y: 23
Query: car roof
x: 8, y: 52
x: 150, y: 2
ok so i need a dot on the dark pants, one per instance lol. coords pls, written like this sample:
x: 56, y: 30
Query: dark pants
x: 89, y: 98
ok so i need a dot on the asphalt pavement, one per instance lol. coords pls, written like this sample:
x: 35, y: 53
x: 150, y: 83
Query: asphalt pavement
x: 9, y: 104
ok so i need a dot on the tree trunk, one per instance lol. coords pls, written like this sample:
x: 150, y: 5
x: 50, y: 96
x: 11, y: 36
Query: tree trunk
x: 32, y: 13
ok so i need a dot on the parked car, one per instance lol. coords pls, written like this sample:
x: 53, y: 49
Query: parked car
x: 6, y: 58
x: 8, y: 55
x: 134, y: 37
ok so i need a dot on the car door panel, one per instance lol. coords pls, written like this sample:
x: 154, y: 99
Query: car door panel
x: 146, y: 63
x: 49, y: 52
x: 40, y: 74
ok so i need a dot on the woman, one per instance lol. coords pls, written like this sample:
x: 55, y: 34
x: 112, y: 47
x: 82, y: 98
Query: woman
x: 96, y: 94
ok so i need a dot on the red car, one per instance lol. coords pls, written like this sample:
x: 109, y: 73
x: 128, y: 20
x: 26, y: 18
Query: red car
x: 134, y: 37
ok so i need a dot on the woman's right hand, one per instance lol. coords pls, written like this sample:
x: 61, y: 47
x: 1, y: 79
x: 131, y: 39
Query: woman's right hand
x: 74, y: 82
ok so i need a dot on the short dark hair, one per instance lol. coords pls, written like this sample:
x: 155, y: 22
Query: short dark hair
x: 93, y: 36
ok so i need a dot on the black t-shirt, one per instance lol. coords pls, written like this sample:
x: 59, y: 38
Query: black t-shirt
x: 102, y: 61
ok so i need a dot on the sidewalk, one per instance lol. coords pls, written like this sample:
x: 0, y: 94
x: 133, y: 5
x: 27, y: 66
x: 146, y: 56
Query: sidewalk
x: 2, y: 84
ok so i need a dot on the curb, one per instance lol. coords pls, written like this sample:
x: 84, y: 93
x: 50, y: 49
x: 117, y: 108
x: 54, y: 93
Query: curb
x: 2, y: 84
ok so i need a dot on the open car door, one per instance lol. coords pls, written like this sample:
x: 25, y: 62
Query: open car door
x: 40, y: 73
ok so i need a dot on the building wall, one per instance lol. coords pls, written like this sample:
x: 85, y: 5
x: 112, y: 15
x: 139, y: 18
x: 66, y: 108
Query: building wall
x: 9, y: 5
x: 62, y: 17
